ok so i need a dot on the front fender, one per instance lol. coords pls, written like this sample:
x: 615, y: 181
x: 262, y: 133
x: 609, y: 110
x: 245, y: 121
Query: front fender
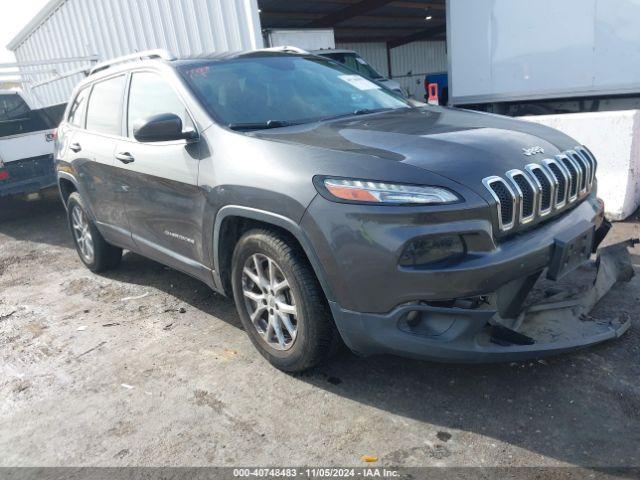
x: 273, y: 219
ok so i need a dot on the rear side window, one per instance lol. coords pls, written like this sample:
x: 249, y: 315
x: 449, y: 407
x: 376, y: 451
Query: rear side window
x: 78, y: 109
x: 150, y: 95
x: 12, y: 108
x: 103, y: 115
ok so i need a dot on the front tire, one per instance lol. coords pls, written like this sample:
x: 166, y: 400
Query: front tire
x: 92, y: 248
x: 280, y: 302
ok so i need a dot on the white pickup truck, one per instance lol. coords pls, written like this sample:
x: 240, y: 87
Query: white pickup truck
x: 26, y: 146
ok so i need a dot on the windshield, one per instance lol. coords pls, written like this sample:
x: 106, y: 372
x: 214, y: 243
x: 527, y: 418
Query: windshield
x: 269, y: 91
x: 354, y: 62
x: 12, y: 108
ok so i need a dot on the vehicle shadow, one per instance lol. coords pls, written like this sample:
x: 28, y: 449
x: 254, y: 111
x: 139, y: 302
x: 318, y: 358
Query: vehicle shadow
x: 138, y: 270
x: 566, y: 408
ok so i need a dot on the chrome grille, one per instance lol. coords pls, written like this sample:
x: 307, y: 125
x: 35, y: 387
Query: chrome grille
x: 590, y: 159
x: 527, y: 195
x: 523, y: 196
x: 574, y: 175
x: 585, y: 170
x: 562, y: 181
x: 506, y: 200
x: 545, y: 185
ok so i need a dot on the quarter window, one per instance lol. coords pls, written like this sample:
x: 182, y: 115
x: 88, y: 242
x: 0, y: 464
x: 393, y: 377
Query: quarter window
x: 150, y: 95
x: 78, y: 109
x: 103, y: 115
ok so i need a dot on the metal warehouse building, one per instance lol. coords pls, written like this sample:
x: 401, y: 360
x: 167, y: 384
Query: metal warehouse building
x: 402, y: 39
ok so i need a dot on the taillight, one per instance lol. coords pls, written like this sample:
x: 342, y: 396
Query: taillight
x: 52, y: 136
x: 4, y: 175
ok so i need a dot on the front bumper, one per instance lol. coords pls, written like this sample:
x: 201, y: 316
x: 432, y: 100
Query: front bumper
x: 480, y: 335
x: 371, y: 296
x: 360, y: 247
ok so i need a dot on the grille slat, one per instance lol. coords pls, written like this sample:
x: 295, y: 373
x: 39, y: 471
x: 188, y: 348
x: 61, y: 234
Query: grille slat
x: 574, y: 175
x: 561, y: 178
x: 505, y: 198
x: 526, y: 193
x: 590, y: 162
x: 545, y: 187
x: 541, y: 189
x: 584, y: 170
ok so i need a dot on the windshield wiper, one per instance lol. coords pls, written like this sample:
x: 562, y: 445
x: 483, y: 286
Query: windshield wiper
x: 360, y: 111
x: 260, y: 125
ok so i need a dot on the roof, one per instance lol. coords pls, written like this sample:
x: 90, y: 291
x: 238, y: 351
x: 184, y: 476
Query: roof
x: 35, y: 22
x: 327, y: 51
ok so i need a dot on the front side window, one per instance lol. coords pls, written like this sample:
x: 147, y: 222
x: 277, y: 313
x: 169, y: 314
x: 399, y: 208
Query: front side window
x: 150, y: 95
x: 78, y: 108
x: 278, y: 90
x: 103, y: 114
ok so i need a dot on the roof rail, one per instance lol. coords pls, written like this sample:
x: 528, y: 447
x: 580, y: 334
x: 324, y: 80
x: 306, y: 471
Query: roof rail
x: 145, y: 55
x: 285, y: 49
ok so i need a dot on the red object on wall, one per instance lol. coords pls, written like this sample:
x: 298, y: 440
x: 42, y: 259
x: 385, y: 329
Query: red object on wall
x: 432, y: 92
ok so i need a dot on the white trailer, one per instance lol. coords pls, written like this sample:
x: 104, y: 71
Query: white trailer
x: 523, y: 51
x: 569, y: 64
x: 307, y: 39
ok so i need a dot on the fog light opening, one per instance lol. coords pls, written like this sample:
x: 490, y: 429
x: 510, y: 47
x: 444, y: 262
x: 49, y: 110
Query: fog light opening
x: 430, y: 250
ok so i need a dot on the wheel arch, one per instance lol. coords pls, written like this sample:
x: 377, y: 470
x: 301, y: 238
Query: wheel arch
x: 66, y: 185
x: 232, y: 221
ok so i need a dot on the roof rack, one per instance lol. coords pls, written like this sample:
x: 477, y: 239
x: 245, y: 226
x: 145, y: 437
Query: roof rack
x: 145, y: 55
x: 285, y: 49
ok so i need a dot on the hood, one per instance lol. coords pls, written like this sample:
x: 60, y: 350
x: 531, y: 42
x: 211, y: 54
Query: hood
x: 461, y: 145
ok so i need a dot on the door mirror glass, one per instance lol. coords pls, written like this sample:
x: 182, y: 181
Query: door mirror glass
x: 161, y: 128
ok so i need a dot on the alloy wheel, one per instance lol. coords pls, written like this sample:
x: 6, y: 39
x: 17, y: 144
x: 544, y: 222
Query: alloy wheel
x: 270, y: 301
x: 82, y: 233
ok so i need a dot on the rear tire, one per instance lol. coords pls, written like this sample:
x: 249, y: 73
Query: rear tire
x: 92, y: 248
x: 273, y: 282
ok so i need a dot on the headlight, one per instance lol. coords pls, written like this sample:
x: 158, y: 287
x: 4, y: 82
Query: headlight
x: 364, y: 191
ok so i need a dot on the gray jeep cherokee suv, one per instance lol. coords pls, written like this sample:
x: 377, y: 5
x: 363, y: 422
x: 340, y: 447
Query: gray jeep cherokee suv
x: 329, y: 207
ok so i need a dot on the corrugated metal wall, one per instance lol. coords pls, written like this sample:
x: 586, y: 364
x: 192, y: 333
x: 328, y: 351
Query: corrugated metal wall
x: 110, y: 28
x: 419, y: 58
x: 411, y: 62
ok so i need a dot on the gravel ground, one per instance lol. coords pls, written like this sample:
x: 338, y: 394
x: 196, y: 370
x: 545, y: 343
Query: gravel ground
x: 146, y: 366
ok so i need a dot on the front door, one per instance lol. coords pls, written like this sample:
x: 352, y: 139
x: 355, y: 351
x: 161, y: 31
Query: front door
x: 160, y: 193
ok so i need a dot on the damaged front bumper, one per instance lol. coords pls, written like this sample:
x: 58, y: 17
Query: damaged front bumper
x: 492, y: 329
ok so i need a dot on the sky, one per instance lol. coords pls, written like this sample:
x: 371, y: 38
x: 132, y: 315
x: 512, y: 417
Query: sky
x: 13, y: 19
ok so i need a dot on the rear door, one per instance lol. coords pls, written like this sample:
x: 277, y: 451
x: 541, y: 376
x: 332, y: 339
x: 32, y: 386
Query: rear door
x: 159, y: 188
x: 91, y: 150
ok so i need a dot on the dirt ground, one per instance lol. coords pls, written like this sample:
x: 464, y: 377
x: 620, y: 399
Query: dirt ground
x: 146, y: 366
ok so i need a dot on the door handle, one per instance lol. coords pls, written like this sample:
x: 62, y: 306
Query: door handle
x: 125, y: 157
x: 75, y: 147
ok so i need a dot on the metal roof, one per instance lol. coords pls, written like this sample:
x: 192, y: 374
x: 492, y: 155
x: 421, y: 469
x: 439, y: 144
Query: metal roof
x: 35, y: 22
x: 395, y: 22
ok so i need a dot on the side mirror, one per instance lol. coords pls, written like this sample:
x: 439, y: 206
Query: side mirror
x: 161, y: 128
